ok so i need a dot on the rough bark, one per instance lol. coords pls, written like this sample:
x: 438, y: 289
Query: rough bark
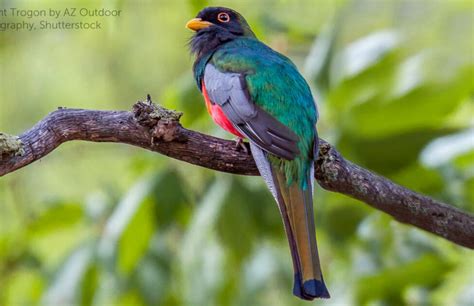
x: 153, y: 128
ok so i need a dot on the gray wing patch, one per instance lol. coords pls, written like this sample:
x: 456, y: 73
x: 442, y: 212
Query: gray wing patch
x: 223, y: 87
x: 229, y: 90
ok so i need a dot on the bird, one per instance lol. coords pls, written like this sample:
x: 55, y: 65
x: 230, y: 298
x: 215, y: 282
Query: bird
x: 254, y: 92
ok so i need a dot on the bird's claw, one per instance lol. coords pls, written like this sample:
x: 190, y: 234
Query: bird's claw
x: 240, y: 145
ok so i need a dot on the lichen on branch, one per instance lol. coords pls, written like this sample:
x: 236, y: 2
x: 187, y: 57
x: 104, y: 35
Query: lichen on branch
x: 163, y: 123
x: 10, y: 146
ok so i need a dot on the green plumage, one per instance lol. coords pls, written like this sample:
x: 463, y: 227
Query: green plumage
x: 275, y: 85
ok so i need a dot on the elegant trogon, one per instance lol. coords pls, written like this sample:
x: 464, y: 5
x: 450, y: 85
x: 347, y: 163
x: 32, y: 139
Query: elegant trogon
x: 257, y: 93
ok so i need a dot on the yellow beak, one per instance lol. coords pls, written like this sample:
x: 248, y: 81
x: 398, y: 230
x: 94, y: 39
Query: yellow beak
x: 197, y: 24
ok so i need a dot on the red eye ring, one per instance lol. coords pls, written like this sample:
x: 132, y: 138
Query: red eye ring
x: 223, y: 17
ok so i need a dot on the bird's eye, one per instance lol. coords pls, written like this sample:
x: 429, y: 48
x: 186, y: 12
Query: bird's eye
x: 223, y: 17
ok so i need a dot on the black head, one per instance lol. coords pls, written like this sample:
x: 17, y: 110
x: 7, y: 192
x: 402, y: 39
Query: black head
x: 220, y: 18
x: 216, y: 25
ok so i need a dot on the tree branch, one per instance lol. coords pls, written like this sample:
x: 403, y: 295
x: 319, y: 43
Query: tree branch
x: 156, y: 129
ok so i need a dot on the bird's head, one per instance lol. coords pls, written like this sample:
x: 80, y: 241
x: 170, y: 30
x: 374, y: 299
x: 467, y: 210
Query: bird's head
x: 216, y: 25
x: 220, y: 19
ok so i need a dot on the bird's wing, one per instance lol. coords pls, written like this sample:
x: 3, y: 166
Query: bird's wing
x: 229, y: 91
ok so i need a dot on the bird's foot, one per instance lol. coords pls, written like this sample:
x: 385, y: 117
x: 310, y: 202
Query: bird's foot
x: 241, y: 145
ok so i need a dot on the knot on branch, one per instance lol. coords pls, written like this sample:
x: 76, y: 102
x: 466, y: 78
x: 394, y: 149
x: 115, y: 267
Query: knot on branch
x: 162, y: 123
x: 10, y: 146
x: 327, y: 167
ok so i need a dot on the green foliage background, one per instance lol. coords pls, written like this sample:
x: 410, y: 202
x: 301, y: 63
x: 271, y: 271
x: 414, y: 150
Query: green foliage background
x: 109, y: 224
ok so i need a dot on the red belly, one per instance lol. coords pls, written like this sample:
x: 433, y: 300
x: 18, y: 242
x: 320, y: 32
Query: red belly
x: 218, y: 115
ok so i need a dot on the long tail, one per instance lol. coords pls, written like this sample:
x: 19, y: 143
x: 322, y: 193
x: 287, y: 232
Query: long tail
x: 296, y: 209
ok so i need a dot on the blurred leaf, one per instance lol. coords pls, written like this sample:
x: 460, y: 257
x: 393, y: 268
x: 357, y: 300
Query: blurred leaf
x: 342, y: 217
x: 362, y: 54
x: 432, y: 182
x: 153, y: 280
x: 23, y: 287
x: 259, y: 270
x: 388, y: 154
x: 319, y: 58
x: 448, y: 148
x: 72, y: 282
x: 457, y: 289
x: 253, y: 213
x: 425, y: 107
x: 90, y: 283
x: 200, y: 255
x: 128, y: 231
x: 130, y: 298
x: 469, y: 194
x: 60, y: 225
x: 55, y: 218
x: 134, y: 240
x: 171, y: 197
x: 390, y: 283
x: 367, y: 87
